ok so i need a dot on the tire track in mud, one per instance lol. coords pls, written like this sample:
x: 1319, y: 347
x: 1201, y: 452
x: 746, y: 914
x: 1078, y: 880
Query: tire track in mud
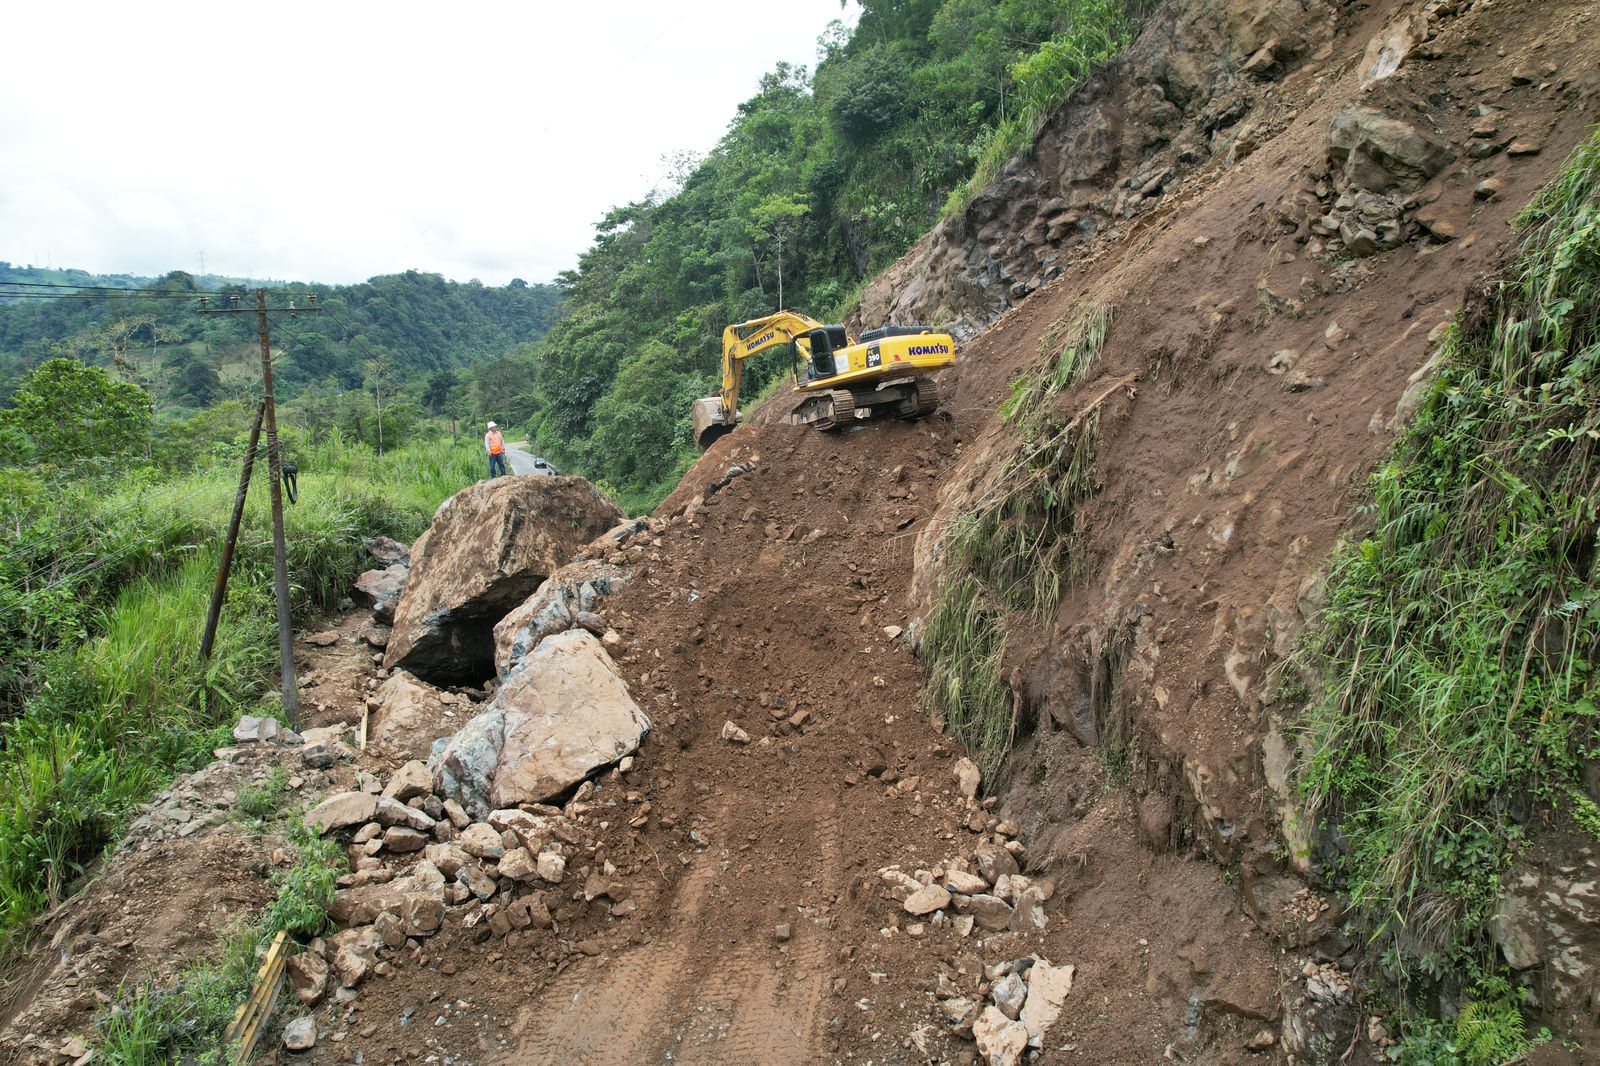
x: 607, y: 1012
x: 711, y: 991
x: 769, y: 1013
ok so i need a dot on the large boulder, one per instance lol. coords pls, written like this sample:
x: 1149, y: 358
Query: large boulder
x: 1372, y: 151
x: 489, y: 547
x: 562, y: 713
x: 554, y: 608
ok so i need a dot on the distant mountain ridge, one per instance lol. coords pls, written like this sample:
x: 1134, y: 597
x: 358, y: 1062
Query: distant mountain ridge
x: 415, y: 323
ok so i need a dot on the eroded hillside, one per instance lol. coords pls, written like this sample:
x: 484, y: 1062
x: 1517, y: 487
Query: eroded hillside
x: 1195, y: 319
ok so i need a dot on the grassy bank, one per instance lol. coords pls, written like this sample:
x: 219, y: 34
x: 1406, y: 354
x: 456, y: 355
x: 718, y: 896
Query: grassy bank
x: 1457, y: 704
x: 1019, y: 545
x: 104, y: 592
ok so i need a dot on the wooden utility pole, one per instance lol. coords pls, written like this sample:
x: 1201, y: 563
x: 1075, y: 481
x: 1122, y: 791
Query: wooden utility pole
x: 280, y: 553
x: 280, y: 550
x: 220, y: 589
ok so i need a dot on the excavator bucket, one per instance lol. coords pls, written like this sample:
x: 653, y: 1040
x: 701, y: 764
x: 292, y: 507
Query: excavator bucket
x: 709, y: 423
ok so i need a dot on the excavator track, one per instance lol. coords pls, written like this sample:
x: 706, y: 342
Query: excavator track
x: 841, y: 412
x: 924, y: 398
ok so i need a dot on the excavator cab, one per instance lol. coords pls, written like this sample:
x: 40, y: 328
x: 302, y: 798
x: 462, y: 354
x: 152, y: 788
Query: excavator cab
x: 822, y: 343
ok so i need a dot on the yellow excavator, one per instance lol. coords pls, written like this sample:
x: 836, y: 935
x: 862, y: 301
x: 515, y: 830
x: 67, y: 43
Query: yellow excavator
x: 886, y: 372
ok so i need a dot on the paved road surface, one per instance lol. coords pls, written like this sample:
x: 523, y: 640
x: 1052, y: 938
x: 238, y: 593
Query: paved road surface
x: 520, y: 461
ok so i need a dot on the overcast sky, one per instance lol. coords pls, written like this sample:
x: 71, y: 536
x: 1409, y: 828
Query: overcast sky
x: 335, y: 141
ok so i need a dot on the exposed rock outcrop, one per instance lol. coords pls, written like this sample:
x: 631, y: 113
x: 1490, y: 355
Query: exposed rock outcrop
x: 489, y: 547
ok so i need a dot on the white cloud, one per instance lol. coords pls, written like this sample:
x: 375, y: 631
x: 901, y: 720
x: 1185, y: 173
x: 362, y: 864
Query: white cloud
x: 333, y: 142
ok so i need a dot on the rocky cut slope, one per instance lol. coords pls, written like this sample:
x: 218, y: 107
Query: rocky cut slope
x: 1199, y: 312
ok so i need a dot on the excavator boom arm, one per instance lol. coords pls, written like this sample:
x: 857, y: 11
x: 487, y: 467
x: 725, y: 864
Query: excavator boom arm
x: 741, y: 341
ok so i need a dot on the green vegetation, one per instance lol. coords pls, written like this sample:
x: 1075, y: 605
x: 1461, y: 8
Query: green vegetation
x: 1096, y: 31
x: 1018, y: 545
x: 153, y: 1025
x: 378, y: 361
x: 261, y: 802
x: 1457, y: 654
x: 820, y: 182
x: 105, y: 574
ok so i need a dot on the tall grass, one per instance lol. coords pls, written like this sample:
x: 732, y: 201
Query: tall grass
x: 115, y: 701
x: 1457, y: 654
x: 1019, y: 546
x: 185, y: 1020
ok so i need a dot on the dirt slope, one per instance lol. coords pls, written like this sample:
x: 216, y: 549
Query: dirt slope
x: 1252, y: 376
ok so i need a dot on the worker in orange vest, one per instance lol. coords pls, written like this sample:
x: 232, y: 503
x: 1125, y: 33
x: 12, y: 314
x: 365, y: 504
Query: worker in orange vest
x: 496, y: 447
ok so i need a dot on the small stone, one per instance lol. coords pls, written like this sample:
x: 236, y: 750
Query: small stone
x: 782, y: 932
x: 551, y: 867
x: 965, y: 883
x: 401, y: 839
x: 968, y: 777
x: 409, y: 782
x: 300, y: 1034
x: 1000, y: 1040
x: 518, y: 865
x: 1300, y: 381
x: 457, y: 814
x: 1008, y: 994
x: 481, y: 841
x: 326, y: 639
x: 993, y: 861
x: 1048, y: 987
x: 990, y: 912
x: 1489, y: 189
x: 959, y: 1013
x: 477, y: 880
x: 1262, y: 1040
x: 367, y: 832
x: 1525, y: 146
x: 927, y: 900
x: 308, y: 977
x: 341, y: 811
x: 1335, y: 335
x: 733, y: 734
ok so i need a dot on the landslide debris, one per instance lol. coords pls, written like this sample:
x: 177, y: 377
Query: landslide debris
x: 1275, y: 207
x: 489, y: 547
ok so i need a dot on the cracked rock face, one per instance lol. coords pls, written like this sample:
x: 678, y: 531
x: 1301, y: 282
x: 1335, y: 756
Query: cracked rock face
x: 489, y: 547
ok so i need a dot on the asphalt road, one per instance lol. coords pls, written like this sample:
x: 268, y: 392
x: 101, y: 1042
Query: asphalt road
x: 518, y: 460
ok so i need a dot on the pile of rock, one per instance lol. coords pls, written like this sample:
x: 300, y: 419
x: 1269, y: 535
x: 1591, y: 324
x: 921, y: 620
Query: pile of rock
x: 421, y: 863
x: 987, y: 893
x: 1022, y: 998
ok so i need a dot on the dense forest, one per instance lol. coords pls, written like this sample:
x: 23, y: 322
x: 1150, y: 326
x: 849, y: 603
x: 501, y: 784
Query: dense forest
x: 402, y: 345
x: 821, y: 181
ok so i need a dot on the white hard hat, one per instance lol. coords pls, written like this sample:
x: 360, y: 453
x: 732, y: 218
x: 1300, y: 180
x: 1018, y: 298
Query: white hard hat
x: 493, y: 426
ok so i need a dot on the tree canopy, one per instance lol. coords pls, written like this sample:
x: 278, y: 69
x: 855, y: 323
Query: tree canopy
x: 820, y: 181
